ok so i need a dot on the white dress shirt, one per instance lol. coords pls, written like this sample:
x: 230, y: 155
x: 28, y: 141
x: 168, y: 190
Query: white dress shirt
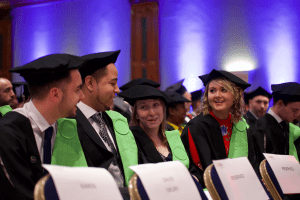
x: 278, y: 119
x: 88, y: 112
x: 38, y: 124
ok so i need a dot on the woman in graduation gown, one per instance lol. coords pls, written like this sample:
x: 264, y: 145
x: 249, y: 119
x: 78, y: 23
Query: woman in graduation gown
x: 219, y: 132
x: 148, y: 125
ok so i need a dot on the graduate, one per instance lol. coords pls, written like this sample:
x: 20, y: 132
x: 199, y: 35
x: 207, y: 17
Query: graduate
x: 176, y: 112
x: 7, y: 96
x: 148, y: 125
x: 180, y: 89
x: 123, y: 107
x: 274, y: 133
x: 258, y: 105
x: 28, y: 133
x: 219, y: 132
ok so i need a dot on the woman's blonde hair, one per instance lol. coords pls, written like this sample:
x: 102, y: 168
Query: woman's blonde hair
x: 238, y: 107
x: 162, y: 127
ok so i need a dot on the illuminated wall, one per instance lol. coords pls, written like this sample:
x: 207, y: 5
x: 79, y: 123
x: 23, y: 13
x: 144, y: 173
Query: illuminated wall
x: 75, y: 27
x: 260, y: 37
x: 274, y: 30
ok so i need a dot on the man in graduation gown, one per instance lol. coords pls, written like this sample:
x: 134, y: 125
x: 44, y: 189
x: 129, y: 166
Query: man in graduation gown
x: 6, y: 96
x: 180, y: 89
x: 176, y: 111
x: 274, y: 133
x: 28, y: 133
x: 104, y: 134
x: 258, y: 105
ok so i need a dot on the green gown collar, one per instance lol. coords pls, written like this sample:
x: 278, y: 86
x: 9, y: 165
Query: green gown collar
x: 5, y: 109
x: 239, y: 141
x: 177, y: 148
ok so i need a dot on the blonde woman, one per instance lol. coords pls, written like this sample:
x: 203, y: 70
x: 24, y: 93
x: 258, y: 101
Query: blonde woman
x: 219, y: 132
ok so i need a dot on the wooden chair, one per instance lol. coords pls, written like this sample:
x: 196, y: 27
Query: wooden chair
x: 270, y: 180
x: 213, y: 183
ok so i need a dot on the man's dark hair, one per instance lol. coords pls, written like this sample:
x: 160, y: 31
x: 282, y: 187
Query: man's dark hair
x: 172, y: 105
x: 43, y: 82
x: 285, y: 102
x: 99, y: 74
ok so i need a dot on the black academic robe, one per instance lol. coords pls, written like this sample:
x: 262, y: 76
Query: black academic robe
x: 146, y: 145
x: 250, y: 119
x: 169, y: 127
x: 207, y: 135
x: 94, y: 149
x: 7, y: 191
x: 19, y: 153
x: 267, y: 128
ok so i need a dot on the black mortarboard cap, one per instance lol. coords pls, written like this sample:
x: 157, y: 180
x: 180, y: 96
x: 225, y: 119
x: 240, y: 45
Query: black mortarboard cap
x: 175, y: 97
x: 139, y: 81
x: 286, y: 91
x: 97, y: 61
x: 141, y: 92
x: 196, y: 95
x: 177, y: 87
x: 48, y: 68
x: 49, y: 63
x: 257, y: 92
x: 24, y: 92
x: 224, y: 74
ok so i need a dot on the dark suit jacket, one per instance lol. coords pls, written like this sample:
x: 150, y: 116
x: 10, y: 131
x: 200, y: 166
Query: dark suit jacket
x: 7, y: 192
x: 95, y: 152
x: 19, y: 153
x: 94, y: 149
x: 250, y: 118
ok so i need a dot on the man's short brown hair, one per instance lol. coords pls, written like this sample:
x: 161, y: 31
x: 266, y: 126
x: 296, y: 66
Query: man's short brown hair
x: 40, y: 87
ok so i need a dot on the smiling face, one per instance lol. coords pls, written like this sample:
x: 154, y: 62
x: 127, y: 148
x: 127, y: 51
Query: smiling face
x: 220, y: 99
x: 72, y: 95
x: 150, y: 113
x: 106, y: 88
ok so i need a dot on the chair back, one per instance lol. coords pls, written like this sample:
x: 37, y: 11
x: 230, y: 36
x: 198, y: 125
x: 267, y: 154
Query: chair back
x: 138, y: 192
x: 270, y: 180
x: 213, y: 183
x: 45, y: 189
